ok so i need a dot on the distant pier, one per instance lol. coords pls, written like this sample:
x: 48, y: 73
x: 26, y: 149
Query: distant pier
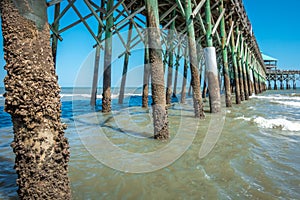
x: 280, y: 78
x: 283, y: 79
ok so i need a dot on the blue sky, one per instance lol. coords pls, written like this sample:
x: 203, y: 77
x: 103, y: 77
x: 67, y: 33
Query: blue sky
x: 275, y: 25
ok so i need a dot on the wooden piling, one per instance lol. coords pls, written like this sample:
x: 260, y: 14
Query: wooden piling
x: 95, y: 76
x: 247, y: 66
x: 33, y: 101
x: 195, y: 82
x: 183, y: 89
x: 204, y: 91
x: 249, y: 73
x: 281, y: 81
x: 146, y: 76
x: 106, y: 96
x: 54, y: 36
x: 125, y: 66
x: 235, y: 68
x: 160, y: 117
x: 225, y: 58
x: 211, y: 69
x: 259, y: 85
x: 201, y: 60
x: 239, y: 62
x: 243, y: 58
x: 275, y: 84
x: 255, y: 82
x: 170, y: 61
x: 176, y: 72
x: 96, y: 64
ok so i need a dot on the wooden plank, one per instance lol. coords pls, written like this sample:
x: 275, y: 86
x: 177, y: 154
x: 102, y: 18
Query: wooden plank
x: 198, y: 7
x: 218, y: 22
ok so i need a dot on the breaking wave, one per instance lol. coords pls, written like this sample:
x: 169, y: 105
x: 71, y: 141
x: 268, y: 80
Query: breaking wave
x: 293, y: 97
x: 280, y: 123
x: 288, y: 103
x: 277, y: 123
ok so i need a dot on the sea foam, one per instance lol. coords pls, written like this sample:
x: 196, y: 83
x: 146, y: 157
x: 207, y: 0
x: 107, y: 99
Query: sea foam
x: 281, y: 123
x: 278, y: 97
x: 277, y: 123
x: 248, y: 119
x: 288, y: 103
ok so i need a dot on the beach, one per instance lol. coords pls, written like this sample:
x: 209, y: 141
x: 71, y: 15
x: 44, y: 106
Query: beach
x: 114, y: 156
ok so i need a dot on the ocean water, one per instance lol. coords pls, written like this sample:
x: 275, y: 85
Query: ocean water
x: 255, y: 154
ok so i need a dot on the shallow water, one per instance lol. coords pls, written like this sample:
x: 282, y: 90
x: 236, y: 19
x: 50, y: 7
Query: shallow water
x: 114, y: 156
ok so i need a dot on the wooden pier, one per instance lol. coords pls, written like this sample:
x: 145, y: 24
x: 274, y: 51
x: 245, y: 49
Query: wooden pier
x: 215, y: 32
x: 280, y: 78
x: 219, y: 27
